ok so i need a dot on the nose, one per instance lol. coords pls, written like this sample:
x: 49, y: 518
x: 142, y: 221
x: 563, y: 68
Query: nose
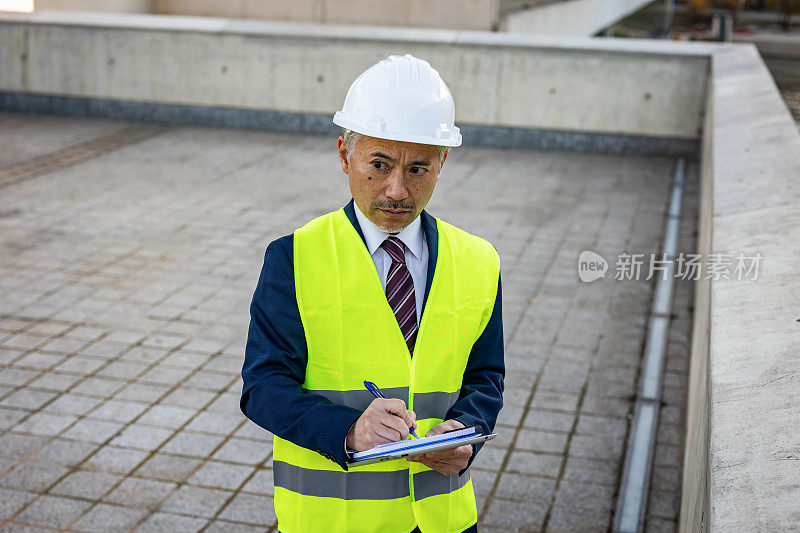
x: 395, y: 185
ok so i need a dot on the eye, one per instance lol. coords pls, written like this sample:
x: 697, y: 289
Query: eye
x: 379, y: 165
x: 418, y: 171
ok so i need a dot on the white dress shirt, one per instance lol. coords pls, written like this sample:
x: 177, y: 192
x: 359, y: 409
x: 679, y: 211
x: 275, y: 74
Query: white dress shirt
x: 416, y: 253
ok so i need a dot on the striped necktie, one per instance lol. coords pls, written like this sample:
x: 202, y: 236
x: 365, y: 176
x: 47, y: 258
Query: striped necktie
x: 400, y: 291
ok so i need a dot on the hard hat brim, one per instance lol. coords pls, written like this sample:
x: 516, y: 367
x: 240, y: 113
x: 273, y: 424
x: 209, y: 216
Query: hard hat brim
x: 453, y: 140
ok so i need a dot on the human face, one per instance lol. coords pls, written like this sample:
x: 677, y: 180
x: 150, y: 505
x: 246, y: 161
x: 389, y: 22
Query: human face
x: 391, y: 181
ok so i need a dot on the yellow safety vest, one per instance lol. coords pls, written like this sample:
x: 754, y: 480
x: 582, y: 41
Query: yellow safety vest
x: 352, y: 335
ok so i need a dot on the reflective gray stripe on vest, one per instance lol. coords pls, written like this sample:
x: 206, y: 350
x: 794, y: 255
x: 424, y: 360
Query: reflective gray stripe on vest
x: 426, y: 404
x: 339, y: 484
x: 432, y: 483
x: 434, y: 404
x: 360, y: 399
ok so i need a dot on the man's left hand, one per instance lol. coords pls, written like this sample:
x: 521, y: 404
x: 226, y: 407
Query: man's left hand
x: 446, y: 462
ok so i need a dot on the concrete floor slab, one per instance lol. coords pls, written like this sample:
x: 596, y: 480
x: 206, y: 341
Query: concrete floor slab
x: 125, y: 282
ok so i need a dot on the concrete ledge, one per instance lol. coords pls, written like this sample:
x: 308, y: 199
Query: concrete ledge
x: 177, y: 23
x: 754, y: 452
x: 774, y: 46
x: 743, y: 445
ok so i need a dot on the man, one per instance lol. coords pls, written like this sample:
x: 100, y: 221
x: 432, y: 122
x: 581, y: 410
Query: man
x: 378, y: 290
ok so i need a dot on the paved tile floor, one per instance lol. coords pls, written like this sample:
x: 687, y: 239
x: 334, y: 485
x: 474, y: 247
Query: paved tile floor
x: 128, y: 257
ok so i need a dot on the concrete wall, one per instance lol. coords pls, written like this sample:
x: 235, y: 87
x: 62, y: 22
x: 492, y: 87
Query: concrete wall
x: 456, y: 14
x: 125, y: 6
x: 695, y: 515
x: 588, y: 86
x: 571, y: 18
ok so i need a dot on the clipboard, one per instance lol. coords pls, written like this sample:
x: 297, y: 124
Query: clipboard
x: 412, y: 447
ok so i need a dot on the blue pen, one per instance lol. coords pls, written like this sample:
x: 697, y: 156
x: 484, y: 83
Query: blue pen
x: 378, y: 394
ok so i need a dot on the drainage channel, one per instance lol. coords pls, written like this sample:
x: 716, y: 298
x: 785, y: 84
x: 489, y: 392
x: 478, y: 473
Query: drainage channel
x: 637, y: 469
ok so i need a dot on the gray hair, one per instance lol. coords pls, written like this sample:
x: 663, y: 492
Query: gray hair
x: 351, y: 138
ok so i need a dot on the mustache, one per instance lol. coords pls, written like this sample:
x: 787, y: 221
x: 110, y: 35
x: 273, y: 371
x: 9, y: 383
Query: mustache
x: 394, y: 205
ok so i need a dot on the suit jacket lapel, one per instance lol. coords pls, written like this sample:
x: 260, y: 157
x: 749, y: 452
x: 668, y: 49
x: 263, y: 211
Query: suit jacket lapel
x: 350, y: 211
x: 431, y: 236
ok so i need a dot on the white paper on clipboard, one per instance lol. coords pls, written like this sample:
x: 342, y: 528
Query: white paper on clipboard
x: 411, y: 447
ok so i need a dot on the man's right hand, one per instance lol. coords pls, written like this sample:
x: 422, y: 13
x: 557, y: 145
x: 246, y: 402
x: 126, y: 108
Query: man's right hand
x: 384, y: 421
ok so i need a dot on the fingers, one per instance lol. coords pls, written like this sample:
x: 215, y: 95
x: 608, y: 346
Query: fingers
x: 444, y: 455
x: 447, y: 425
x: 443, y: 468
x: 449, y: 455
x: 435, y: 430
x: 446, y: 470
x: 383, y: 435
x: 384, y: 421
x: 446, y: 461
x: 386, y: 427
x: 397, y: 407
x: 395, y: 425
x: 389, y: 405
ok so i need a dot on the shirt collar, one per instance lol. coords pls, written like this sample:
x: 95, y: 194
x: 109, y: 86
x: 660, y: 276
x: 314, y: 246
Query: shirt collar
x: 411, y: 235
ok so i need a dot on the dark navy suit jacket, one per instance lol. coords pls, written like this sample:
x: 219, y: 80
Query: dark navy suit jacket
x: 276, y: 355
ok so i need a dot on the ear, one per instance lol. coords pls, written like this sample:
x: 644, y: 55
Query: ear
x: 343, y: 156
x: 443, y: 160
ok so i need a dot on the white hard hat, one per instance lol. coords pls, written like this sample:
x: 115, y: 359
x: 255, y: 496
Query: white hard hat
x: 401, y: 98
